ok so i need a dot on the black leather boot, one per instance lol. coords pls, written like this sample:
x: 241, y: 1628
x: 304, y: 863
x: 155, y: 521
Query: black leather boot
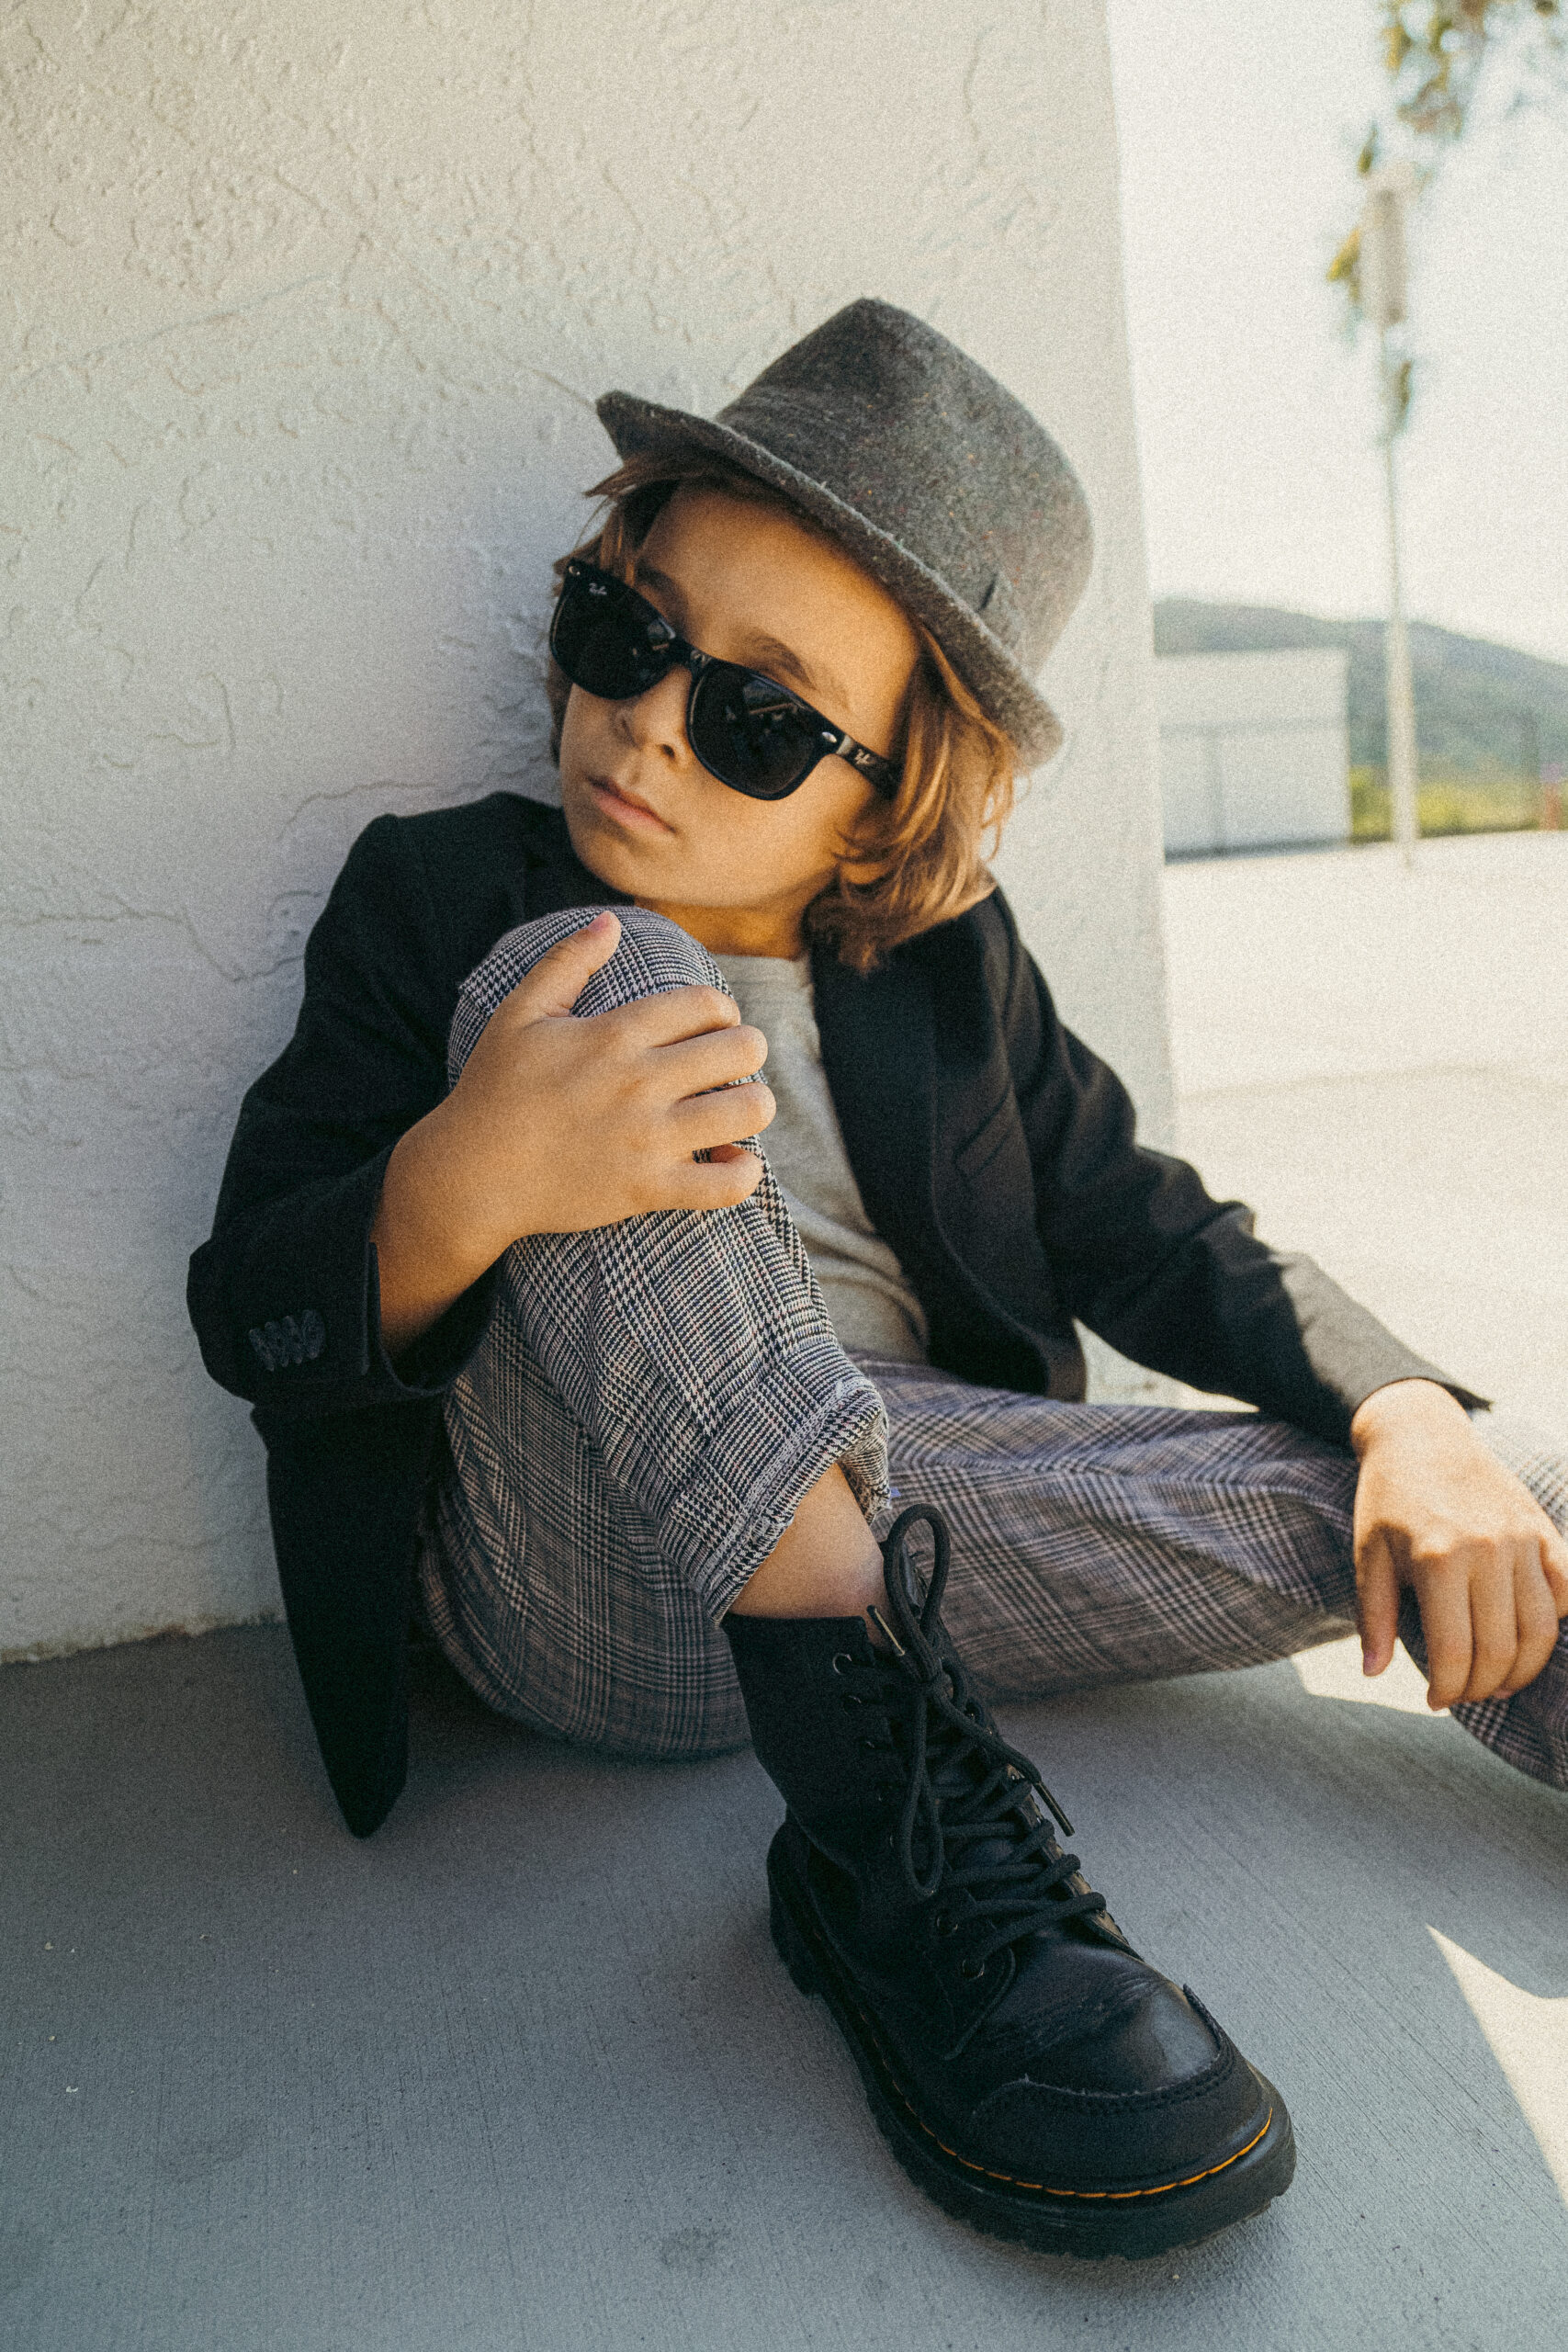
x: 1030, y: 2072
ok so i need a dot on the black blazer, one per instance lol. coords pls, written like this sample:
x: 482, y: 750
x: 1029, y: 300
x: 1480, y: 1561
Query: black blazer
x: 995, y: 1154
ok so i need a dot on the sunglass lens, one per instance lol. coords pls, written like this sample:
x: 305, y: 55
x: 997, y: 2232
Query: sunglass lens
x: 601, y: 640
x: 753, y: 735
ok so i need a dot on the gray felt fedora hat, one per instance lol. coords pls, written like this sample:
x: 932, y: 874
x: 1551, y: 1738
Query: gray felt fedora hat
x: 936, y: 480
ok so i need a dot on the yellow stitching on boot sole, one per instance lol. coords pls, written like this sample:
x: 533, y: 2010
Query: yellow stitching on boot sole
x: 1086, y: 2196
x: 1090, y: 2196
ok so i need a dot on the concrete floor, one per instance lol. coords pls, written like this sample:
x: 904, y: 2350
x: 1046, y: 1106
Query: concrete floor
x: 523, y: 2072
x: 1377, y: 1062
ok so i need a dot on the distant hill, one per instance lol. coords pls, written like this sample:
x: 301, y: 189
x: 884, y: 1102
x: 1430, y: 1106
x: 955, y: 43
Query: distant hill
x: 1471, y: 697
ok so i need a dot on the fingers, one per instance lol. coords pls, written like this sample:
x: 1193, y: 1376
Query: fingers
x: 1494, y: 1623
x: 1535, y: 1612
x: 672, y: 1014
x: 730, y: 1176
x: 1489, y: 1619
x: 1489, y: 1570
x: 1451, y: 1648
x: 1378, y: 1604
x: 550, y: 990
x: 693, y: 1065
x: 729, y: 1116
x: 1555, y: 1567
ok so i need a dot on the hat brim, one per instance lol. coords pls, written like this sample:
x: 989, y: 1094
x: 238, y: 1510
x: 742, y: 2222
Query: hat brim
x: 639, y: 427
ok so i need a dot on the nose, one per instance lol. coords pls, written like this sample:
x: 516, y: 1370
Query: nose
x: 655, y: 723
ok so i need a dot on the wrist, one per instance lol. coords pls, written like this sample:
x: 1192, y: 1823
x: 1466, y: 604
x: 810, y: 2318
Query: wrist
x: 482, y: 1175
x: 1406, y: 1408
x: 461, y: 1201
x: 426, y: 1222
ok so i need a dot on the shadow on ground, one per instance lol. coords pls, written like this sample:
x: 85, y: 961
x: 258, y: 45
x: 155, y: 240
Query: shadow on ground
x: 523, y: 2071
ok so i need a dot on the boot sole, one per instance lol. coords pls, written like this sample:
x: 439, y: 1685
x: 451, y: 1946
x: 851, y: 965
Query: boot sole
x: 1134, y: 2224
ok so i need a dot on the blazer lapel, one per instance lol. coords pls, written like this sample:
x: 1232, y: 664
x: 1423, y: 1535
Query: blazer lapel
x: 917, y: 1077
x: 878, y: 1054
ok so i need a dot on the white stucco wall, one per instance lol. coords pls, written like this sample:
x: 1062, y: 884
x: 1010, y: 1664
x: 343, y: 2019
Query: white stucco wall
x: 306, y: 304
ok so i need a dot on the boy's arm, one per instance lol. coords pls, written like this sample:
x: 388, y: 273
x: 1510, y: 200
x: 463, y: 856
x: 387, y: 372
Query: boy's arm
x: 1176, y: 1280
x: 284, y: 1296
x: 350, y: 1158
x: 1181, y: 1282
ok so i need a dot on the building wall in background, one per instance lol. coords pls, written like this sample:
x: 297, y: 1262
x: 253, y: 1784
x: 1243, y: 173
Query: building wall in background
x: 1253, y: 750
x: 308, y: 304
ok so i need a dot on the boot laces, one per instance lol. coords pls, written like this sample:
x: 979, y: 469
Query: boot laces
x: 967, y: 1789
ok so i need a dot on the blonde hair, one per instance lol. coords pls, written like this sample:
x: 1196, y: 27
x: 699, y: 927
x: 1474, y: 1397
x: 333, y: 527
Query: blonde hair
x: 924, y: 849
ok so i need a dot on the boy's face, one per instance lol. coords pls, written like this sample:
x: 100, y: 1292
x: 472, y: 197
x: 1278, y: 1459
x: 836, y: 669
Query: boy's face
x: 747, y: 584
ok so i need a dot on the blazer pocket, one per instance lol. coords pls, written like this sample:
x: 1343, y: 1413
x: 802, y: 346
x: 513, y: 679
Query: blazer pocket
x: 973, y: 1158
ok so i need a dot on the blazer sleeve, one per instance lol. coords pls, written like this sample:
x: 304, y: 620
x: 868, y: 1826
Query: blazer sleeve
x: 284, y: 1296
x: 1177, y: 1280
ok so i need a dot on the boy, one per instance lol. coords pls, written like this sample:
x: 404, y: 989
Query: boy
x: 532, y: 1331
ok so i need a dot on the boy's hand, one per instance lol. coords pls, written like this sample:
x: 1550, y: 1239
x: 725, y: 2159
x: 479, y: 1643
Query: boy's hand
x: 1436, y: 1510
x: 557, y: 1125
x: 563, y: 1124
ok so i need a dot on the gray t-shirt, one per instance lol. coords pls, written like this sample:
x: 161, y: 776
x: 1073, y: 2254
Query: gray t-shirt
x: 865, y: 1289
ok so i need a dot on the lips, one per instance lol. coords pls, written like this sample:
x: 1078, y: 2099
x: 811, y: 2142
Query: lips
x: 624, y: 807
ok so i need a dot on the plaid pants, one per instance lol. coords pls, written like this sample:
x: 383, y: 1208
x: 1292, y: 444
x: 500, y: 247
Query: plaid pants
x: 651, y: 1400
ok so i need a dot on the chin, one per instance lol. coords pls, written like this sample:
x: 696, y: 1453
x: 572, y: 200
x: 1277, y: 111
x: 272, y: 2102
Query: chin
x: 606, y: 854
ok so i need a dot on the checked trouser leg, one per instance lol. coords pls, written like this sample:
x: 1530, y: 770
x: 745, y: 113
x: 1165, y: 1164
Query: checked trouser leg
x: 1097, y: 1544
x: 651, y: 1400
x: 648, y: 1405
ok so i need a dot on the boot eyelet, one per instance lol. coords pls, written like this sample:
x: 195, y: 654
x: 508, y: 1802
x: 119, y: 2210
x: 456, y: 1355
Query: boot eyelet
x: 867, y: 1746
x: 945, y: 1923
x: 971, y: 1968
x: 842, y: 1661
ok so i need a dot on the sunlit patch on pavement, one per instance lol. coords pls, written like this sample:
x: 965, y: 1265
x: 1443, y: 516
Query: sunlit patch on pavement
x: 1527, y: 2035
x: 1334, y: 1672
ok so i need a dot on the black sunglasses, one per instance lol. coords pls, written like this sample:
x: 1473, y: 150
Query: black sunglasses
x: 748, y: 731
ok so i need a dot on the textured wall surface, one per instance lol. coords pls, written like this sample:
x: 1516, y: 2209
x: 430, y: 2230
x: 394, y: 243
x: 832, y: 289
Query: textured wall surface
x: 305, y: 305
